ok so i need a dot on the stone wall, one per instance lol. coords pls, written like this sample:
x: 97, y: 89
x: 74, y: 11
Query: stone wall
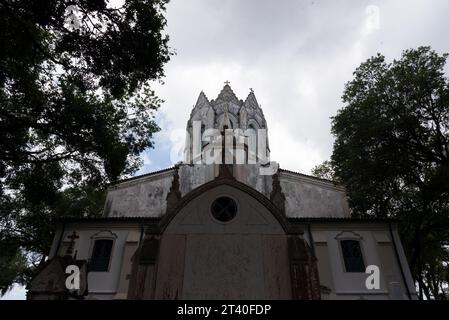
x: 305, y: 196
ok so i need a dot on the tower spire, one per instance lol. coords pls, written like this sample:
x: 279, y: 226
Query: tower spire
x: 227, y: 94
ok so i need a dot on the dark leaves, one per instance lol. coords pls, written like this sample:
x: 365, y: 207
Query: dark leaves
x: 391, y: 152
x: 76, y: 109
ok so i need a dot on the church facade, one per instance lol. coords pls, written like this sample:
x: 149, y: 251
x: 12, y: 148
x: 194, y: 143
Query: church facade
x: 227, y: 223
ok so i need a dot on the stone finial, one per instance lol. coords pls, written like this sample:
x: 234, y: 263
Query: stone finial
x: 201, y: 101
x: 174, y: 195
x: 251, y: 101
x: 276, y: 195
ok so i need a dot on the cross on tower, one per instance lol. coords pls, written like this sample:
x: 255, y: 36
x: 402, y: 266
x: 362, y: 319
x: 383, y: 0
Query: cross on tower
x: 227, y: 82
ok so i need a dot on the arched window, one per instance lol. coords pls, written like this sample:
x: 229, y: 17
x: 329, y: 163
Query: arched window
x: 101, y: 250
x: 352, y: 255
x: 101, y: 255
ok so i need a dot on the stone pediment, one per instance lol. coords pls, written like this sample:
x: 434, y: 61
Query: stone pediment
x: 193, y: 215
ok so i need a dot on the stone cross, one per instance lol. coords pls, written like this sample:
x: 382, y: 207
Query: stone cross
x: 227, y: 82
x: 72, y: 238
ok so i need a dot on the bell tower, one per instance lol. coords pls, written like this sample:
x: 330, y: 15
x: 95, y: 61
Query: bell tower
x: 245, y: 135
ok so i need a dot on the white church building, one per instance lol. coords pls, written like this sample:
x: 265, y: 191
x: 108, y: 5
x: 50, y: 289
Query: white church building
x: 226, y: 225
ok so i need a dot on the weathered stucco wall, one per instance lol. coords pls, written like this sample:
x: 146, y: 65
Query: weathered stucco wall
x: 245, y: 258
x: 192, y: 176
x: 112, y: 284
x: 139, y: 197
x: 305, y: 196
x: 309, y: 197
x: 194, y: 251
x: 377, y: 249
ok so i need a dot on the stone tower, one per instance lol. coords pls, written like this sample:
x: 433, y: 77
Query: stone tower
x: 244, y: 120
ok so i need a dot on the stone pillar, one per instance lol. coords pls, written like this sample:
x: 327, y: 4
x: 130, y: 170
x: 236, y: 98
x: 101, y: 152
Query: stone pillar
x: 303, y: 270
x: 143, y: 274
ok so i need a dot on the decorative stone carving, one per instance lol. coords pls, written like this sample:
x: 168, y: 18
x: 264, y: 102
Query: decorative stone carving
x: 303, y: 269
x: 277, y: 196
x: 225, y: 110
x: 143, y: 274
x: 174, y: 195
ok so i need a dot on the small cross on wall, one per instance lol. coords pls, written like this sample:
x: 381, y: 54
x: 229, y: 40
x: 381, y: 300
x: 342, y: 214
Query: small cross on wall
x: 72, y: 238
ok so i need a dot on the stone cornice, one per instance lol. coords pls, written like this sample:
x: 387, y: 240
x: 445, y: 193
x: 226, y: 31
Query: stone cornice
x: 295, y: 176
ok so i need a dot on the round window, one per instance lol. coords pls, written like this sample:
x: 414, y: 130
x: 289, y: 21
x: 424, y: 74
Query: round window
x: 224, y: 209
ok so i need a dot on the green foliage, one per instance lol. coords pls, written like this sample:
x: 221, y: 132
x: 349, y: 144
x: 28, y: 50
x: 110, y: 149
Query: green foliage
x: 76, y: 108
x: 13, y: 265
x: 391, y: 152
x: 324, y: 171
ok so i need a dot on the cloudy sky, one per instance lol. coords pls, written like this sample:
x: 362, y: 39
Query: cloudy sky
x: 296, y: 55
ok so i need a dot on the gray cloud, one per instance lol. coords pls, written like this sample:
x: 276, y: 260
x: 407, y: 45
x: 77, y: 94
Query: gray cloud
x: 297, y: 55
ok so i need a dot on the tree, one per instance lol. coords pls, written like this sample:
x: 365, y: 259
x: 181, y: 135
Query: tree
x: 324, y: 171
x: 76, y: 110
x: 391, y: 152
x: 13, y: 264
